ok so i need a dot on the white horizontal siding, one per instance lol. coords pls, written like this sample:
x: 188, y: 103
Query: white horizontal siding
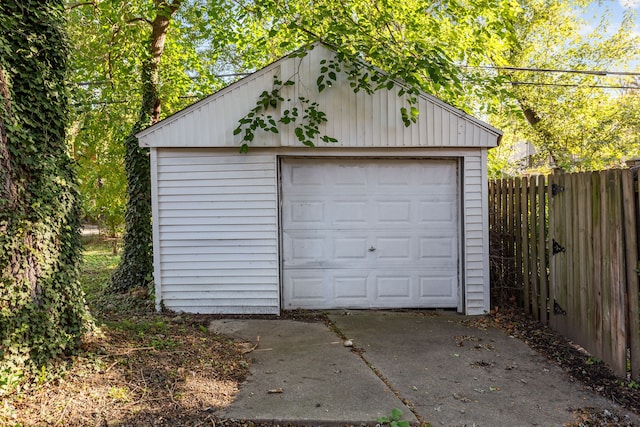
x: 476, y: 266
x: 355, y: 119
x: 217, y: 237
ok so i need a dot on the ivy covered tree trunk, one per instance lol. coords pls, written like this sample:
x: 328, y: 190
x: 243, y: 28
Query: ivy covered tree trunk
x: 42, y: 309
x: 136, y: 266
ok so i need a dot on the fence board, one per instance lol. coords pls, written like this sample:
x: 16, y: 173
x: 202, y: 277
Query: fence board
x: 524, y: 233
x: 587, y: 243
x: 619, y: 303
x: 542, y: 255
x: 552, y: 261
x: 560, y: 257
x: 606, y: 276
x: 632, y: 211
x: 582, y: 332
x: 599, y: 237
x: 533, y: 255
x: 564, y: 239
x: 517, y: 234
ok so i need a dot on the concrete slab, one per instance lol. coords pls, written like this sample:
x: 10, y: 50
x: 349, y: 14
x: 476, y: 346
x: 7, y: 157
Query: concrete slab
x: 455, y: 375
x: 321, y: 381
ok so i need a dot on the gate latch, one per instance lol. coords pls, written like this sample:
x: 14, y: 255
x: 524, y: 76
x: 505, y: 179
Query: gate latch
x: 557, y: 309
x: 557, y: 248
x: 556, y: 189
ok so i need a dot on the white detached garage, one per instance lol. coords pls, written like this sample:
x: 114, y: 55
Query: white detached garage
x: 388, y: 217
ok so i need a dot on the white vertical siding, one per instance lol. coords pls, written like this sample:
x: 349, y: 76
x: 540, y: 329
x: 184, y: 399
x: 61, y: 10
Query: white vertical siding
x: 157, y: 277
x: 476, y: 256
x: 356, y: 120
x: 217, y: 239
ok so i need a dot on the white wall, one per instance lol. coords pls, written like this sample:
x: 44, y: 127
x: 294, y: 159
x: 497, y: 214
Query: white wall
x: 216, y: 237
x: 216, y: 244
x: 355, y: 119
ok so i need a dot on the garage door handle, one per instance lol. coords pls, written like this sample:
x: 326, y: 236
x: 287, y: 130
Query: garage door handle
x: 372, y: 249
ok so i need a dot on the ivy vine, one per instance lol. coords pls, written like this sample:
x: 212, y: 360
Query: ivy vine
x: 366, y: 77
x: 42, y: 311
x: 306, y: 115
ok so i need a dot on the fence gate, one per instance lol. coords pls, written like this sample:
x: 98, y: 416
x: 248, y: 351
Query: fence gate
x: 570, y: 243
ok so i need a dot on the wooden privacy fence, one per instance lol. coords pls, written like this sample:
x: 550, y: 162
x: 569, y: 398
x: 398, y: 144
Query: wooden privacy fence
x: 566, y: 247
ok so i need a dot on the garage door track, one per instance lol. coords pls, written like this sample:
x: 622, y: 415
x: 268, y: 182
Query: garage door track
x: 435, y: 367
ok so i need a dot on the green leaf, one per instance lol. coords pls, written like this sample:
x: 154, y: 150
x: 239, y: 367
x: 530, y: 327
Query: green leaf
x: 396, y: 414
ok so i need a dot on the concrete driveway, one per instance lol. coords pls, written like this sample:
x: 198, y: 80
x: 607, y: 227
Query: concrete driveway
x: 430, y: 365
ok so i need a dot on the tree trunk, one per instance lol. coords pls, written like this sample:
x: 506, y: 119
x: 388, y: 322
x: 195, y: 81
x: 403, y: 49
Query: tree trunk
x: 8, y: 190
x: 136, y: 266
x: 42, y: 309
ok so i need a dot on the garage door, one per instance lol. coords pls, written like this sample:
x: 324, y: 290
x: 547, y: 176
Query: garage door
x: 369, y: 233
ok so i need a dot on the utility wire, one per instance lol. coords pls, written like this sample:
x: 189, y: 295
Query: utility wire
x: 553, y: 70
x: 104, y: 82
x: 574, y: 85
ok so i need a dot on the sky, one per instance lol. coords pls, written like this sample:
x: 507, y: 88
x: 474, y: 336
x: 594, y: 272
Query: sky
x: 616, y: 8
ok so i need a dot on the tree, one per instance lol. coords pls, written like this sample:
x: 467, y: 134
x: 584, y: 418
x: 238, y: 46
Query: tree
x: 571, y: 118
x: 136, y: 266
x: 426, y: 45
x: 416, y: 42
x: 42, y: 310
x: 438, y: 48
x: 160, y: 56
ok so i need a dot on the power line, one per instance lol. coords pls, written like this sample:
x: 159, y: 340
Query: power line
x: 574, y: 85
x: 553, y: 70
x: 104, y: 82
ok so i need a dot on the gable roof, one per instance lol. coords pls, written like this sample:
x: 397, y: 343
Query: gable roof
x: 355, y: 119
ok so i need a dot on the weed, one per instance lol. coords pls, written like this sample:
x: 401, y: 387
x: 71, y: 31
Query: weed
x: 163, y: 343
x: 592, y: 361
x: 119, y: 393
x: 394, y: 419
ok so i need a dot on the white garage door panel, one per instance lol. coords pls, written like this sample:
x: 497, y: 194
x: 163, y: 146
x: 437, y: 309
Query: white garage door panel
x: 384, y: 249
x: 369, y: 233
x: 333, y: 288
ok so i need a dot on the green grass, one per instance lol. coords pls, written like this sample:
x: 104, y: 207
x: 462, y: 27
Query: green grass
x: 97, y: 266
x: 95, y: 275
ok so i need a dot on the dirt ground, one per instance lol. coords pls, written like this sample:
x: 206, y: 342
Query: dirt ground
x: 169, y: 370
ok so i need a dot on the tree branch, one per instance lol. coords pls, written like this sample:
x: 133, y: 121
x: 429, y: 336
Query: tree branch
x: 80, y: 4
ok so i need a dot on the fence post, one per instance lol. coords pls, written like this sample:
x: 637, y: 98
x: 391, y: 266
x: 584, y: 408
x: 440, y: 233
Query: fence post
x: 631, y: 224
